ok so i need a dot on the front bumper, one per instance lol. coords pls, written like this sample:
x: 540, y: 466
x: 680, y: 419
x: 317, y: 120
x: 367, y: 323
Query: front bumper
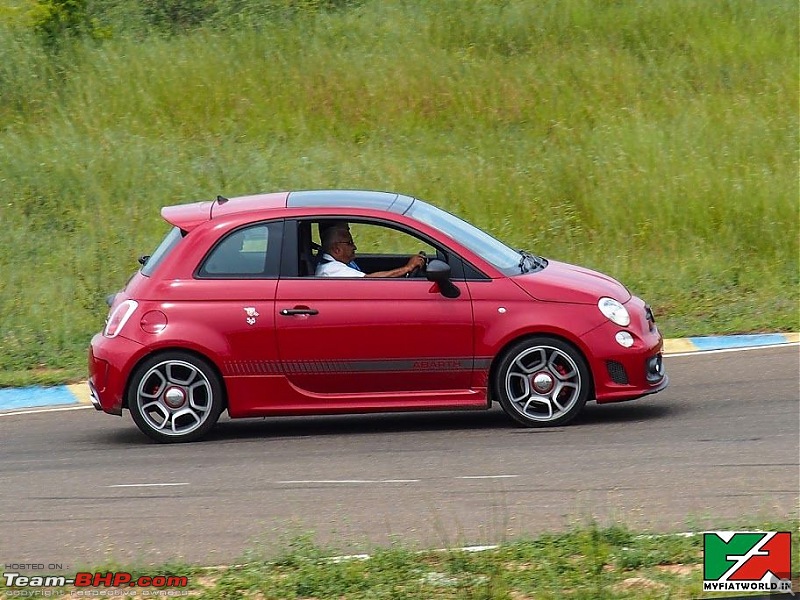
x: 627, y: 373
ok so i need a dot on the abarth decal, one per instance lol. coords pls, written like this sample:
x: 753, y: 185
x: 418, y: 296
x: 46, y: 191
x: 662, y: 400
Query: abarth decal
x: 252, y: 314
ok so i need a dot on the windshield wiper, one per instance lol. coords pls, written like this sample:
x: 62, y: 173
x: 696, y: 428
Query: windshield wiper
x: 536, y: 261
x: 523, y: 257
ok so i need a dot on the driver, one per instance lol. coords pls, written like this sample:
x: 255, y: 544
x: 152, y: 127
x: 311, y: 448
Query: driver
x: 339, y: 251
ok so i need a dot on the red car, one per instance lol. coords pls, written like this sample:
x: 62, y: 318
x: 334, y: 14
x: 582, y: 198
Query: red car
x: 228, y: 314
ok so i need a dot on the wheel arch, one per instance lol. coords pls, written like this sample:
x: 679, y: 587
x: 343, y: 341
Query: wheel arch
x: 498, y: 357
x: 167, y: 350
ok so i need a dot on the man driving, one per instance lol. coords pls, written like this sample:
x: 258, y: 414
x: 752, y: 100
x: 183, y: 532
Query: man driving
x: 339, y: 251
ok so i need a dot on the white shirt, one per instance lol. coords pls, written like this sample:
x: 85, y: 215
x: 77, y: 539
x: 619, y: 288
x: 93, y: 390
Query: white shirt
x: 330, y: 267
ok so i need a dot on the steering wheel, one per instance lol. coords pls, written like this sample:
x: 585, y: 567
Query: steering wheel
x: 419, y: 270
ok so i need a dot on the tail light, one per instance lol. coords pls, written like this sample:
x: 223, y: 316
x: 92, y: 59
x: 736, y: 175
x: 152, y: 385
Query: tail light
x: 118, y: 317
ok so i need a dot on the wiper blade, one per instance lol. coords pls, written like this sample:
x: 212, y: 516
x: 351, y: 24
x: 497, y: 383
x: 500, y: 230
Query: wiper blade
x: 523, y: 257
x: 536, y: 261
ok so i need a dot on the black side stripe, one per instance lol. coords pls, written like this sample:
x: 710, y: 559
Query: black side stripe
x: 316, y: 367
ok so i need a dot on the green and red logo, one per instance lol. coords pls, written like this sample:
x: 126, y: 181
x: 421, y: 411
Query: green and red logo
x: 747, y: 561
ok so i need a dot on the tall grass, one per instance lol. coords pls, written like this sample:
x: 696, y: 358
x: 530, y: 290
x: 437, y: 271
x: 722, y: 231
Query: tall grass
x: 657, y: 142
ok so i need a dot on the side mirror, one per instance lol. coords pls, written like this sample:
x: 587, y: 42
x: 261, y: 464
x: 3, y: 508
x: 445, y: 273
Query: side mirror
x: 143, y: 259
x: 438, y: 271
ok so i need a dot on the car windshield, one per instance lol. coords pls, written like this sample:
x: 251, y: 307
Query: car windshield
x: 164, y: 248
x: 481, y: 243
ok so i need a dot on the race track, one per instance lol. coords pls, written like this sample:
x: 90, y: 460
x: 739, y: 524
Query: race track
x: 82, y: 488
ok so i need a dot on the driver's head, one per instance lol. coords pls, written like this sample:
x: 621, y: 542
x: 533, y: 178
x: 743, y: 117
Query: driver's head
x: 325, y: 226
x: 338, y: 242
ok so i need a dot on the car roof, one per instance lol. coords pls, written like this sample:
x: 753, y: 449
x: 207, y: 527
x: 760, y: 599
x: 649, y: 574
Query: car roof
x: 396, y: 203
x: 189, y: 216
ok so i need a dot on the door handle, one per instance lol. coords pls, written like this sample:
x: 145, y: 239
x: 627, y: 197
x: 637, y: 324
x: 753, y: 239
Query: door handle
x: 299, y: 310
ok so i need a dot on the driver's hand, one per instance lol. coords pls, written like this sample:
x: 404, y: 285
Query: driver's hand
x: 415, y: 262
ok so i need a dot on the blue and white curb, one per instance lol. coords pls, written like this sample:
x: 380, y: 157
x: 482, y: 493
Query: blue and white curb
x: 728, y: 342
x: 77, y: 395
x: 42, y: 397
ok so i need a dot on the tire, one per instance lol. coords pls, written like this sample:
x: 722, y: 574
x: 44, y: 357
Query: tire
x: 175, y: 397
x: 542, y: 382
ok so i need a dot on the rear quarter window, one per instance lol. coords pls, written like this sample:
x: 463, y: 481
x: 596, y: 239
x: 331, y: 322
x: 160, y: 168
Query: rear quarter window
x: 167, y: 245
x: 252, y: 252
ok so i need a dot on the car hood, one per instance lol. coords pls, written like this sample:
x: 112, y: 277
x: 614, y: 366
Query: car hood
x: 562, y: 282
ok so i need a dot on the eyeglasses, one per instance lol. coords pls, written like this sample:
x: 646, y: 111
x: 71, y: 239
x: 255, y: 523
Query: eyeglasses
x: 350, y: 243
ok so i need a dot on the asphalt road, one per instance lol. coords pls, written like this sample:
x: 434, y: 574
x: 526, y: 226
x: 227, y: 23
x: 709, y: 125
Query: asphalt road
x: 722, y: 443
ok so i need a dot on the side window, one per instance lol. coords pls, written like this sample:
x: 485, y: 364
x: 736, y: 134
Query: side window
x: 375, y: 239
x: 252, y: 252
x: 376, y: 247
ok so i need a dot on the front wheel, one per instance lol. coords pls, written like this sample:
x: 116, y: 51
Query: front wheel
x: 175, y: 397
x: 542, y: 382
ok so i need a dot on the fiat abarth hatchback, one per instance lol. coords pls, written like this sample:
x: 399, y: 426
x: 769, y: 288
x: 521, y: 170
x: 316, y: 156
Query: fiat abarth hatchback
x: 227, y: 314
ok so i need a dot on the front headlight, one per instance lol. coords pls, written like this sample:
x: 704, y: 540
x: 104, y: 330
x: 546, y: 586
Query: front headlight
x: 614, y: 311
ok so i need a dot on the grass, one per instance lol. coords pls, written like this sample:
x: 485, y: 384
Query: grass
x: 586, y: 562
x: 657, y: 142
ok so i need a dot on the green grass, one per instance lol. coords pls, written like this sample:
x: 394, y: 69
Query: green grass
x: 586, y: 562
x: 657, y: 142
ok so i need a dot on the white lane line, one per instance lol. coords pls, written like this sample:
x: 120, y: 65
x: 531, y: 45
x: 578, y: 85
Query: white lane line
x: 130, y: 485
x: 377, y: 481
x: 487, y: 477
x: 43, y: 410
x: 362, y: 481
x: 723, y: 350
x: 400, y: 481
x: 293, y: 481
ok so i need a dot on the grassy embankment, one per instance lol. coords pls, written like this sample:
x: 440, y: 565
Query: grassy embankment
x: 587, y: 562
x: 657, y: 142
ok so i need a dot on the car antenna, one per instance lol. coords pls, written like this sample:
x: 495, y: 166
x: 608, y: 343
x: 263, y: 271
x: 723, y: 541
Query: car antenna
x: 221, y: 199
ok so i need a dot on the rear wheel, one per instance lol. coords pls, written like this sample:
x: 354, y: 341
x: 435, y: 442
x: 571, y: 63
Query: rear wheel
x: 175, y: 397
x: 541, y: 382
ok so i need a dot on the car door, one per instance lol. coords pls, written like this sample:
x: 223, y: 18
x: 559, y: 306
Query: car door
x: 373, y: 335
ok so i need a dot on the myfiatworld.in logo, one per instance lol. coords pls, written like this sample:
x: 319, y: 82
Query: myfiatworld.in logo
x: 747, y: 561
